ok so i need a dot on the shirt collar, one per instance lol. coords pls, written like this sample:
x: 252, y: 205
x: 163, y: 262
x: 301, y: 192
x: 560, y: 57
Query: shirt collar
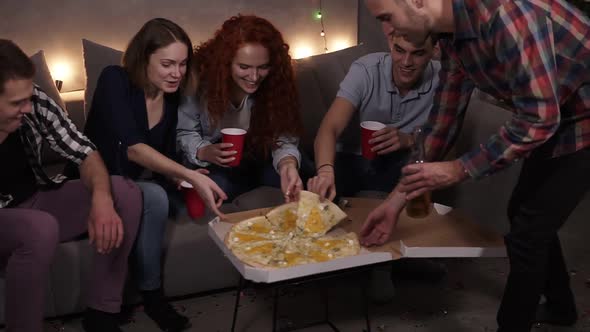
x: 425, y: 82
x: 242, y: 105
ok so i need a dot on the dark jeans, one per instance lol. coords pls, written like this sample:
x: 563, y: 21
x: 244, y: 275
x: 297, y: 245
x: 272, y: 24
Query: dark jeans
x: 548, y: 190
x: 30, y: 234
x: 250, y: 174
x: 355, y: 173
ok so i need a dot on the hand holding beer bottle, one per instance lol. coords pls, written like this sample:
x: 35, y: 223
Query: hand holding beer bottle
x: 420, y: 206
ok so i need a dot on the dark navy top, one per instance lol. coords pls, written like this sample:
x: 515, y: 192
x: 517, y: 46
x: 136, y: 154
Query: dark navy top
x: 16, y: 175
x: 118, y: 119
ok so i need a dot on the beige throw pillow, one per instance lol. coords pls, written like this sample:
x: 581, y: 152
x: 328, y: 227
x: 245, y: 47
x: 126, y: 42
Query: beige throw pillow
x: 43, y: 78
x: 96, y: 58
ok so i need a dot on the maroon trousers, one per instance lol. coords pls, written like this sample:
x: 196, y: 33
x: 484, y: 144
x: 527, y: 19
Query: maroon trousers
x: 30, y: 234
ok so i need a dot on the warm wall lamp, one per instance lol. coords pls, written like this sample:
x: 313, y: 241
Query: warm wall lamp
x: 61, y: 71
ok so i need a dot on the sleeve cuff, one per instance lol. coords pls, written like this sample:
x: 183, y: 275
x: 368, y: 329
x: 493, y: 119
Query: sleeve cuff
x: 476, y: 164
x: 191, y: 154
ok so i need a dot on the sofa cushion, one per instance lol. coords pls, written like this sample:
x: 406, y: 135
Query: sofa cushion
x: 43, y: 78
x: 318, y: 81
x: 96, y: 57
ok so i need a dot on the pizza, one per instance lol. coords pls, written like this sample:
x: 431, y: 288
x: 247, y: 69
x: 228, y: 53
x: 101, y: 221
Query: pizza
x: 284, y: 217
x: 316, y: 218
x: 292, y: 234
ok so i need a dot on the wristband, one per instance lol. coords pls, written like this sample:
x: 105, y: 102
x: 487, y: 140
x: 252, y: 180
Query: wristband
x: 324, y: 165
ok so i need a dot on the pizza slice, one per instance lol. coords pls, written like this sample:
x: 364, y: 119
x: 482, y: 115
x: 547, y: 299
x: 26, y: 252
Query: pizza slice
x: 315, y: 218
x: 291, y: 255
x: 284, y: 217
x: 252, y: 230
x: 258, y: 254
x: 339, y: 246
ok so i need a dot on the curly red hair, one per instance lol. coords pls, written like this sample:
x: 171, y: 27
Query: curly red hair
x: 276, y: 105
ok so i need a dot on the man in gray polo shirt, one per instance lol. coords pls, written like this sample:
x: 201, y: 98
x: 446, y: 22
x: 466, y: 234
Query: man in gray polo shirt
x: 393, y: 88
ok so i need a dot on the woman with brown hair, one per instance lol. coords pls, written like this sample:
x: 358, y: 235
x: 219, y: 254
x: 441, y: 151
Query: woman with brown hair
x: 244, y: 80
x: 132, y: 121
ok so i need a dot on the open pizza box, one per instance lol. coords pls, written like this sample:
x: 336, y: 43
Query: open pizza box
x: 444, y: 233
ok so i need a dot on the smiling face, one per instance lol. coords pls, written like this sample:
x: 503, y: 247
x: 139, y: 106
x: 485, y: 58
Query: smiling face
x: 167, y: 67
x: 402, y: 17
x: 15, y: 102
x: 409, y: 62
x: 249, y: 68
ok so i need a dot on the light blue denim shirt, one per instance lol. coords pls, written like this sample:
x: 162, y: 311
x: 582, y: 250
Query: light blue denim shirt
x: 194, y: 131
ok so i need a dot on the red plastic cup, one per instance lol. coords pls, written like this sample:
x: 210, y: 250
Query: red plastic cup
x: 367, y: 130
x: 194, y: 204
x: 235, y: 136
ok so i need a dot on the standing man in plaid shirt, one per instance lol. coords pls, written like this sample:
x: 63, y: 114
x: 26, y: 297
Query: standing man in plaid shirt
x: 535, y: 55
x: 37, y: 212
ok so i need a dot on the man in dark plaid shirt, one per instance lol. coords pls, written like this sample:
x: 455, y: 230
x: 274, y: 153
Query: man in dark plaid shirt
x: 36, y: 212
x: 535, y: 55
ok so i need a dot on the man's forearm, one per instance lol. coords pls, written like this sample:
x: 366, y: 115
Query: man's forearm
x: 95, y: 176
x: 325, y: 149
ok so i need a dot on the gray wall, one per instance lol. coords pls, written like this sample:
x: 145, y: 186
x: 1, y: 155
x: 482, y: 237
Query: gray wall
x: 57, y: 26
x: 369, y: 30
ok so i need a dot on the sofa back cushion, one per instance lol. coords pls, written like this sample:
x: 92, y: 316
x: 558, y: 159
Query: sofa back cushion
x: 96, y: 58
x: 318, y: 80
x: 43, y: 78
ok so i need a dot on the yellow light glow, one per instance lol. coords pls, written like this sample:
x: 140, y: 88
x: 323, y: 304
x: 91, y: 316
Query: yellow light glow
x: 302, y: 51
x: 339, y: 44
x: 61, y: 70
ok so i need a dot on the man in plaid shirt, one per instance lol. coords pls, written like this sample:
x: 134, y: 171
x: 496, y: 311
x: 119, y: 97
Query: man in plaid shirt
x: 535, y: 55
x: 37, y: 212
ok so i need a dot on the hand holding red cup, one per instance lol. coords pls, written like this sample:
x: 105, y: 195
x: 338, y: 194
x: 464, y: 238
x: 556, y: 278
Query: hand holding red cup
x: 236, y: 137
x: 194, y: 204
x: 367, y: 130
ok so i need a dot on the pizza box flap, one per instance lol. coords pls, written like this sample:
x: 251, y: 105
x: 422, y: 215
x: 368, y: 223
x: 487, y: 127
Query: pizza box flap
x: 444, y: 233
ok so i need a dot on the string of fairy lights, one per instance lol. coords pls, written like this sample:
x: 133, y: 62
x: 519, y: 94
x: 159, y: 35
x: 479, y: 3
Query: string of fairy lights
x: 320, y: 16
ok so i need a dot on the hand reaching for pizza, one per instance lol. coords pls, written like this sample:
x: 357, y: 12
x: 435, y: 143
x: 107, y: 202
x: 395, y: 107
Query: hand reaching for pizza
x: 379, y: 225
x: 323, y: 184
x: 291, y: 183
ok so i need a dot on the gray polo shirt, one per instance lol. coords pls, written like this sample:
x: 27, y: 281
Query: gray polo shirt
x: 369, y: 87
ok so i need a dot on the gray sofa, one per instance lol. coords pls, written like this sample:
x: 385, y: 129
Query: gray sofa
x: 193, y: 263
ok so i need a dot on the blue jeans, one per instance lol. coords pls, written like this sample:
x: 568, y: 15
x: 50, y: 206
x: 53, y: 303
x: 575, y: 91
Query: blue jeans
x: 355, y: 173
x: 147, y: 254
x: 250, y: 174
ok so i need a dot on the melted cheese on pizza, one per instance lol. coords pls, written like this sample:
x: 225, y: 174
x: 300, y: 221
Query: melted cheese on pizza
x: 330, y: 244
x: 243, y: 238
x: 319, y: 256
x: 289, y: 221
x: 259, y: 228
x: 263, y: 249
x: 314, y: 223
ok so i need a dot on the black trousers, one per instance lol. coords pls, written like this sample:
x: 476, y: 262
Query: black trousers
x: 548, y: 190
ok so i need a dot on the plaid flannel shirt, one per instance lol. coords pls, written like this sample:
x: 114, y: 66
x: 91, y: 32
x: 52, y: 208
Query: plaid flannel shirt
x: 534, y: 55
x: 49, y: 123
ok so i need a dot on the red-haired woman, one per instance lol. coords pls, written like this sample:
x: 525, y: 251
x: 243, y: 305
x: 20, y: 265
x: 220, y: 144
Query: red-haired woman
x: 244, y: 80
